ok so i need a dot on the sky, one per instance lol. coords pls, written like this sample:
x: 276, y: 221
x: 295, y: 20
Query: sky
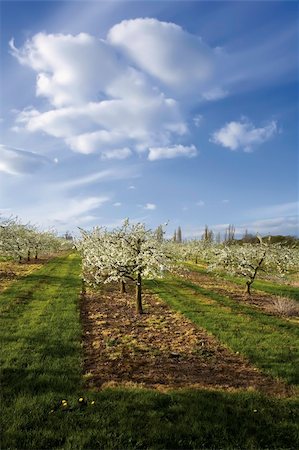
x: 178, y: 112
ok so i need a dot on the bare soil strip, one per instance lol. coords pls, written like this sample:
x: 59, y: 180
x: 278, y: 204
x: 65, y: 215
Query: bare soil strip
x: 258, y: 299
x: 159, y: 349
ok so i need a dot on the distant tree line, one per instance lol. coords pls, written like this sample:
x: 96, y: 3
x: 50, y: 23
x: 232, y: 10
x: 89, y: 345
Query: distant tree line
x: 229, y: 237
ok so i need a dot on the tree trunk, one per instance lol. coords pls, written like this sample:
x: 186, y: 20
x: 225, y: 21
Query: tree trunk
x: 248, y: 286
x: 249, y: 282
x: 139, y: 309
x: 36, y: 254
x: 122, y: 287
x: 28, y: 255
x: 196, y: 260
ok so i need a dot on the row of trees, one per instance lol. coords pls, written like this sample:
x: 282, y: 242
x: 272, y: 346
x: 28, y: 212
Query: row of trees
x: 132, y: 252
x: 229, y: 237
x: 242, y: 259
x: 25, y: 242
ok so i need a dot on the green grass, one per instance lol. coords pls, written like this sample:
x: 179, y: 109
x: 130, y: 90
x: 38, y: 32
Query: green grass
x: 269, y: 342
x: 41, y: 365
x: 262, y: 285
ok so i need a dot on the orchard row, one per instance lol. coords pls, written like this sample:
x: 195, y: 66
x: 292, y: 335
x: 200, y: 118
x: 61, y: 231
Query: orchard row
x: 25, y: 242
x: 133, y: 252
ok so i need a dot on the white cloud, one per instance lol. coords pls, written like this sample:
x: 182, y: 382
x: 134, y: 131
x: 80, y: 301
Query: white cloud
x: 225, y: 201
x: 62, y: 213
x: 117, y: 204
x: 170, y: 152
x: 243, y: 134
x: 70, y: 69
x: 76, y: 209
x: 128, y: 91
x: 99, y: 101
x: 154, y: 47
x: 118, y: 153
x: 110, y: 123
x: 200, y: 203
x: 103, y: 175
x: 132, y: 187
x: 14, y: 161
x: 150, y: 206
x: 277, y: 225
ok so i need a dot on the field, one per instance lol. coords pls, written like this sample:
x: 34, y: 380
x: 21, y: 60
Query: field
x: 201, y: 368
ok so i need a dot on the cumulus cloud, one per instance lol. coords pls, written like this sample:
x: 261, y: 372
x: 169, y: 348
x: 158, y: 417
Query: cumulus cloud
x: 70, y: 68
x: 123, y: 92
x: 131, y: 90
x: 154, y: 47
x: 14, y: 161
x: 99, y: 102
x: 170, y: 152
x: 243, y: 135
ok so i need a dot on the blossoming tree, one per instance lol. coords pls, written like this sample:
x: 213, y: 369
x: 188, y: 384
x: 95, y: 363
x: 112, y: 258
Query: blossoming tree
x: 130, y: 252
x: 20, y: 241
x: 248, y: 260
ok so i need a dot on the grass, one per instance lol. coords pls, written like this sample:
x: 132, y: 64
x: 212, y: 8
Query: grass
x: 263, y: 285
x: 268, y: 342
x: 41, y: 365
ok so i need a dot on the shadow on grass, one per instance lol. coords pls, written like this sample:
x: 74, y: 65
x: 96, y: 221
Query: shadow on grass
x: 135, y: 419
x: 16, y: 381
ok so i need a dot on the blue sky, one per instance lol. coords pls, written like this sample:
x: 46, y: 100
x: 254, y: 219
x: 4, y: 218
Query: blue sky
x: 158, y: 111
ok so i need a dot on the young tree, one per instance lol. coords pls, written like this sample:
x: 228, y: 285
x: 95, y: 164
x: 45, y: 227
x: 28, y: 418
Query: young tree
x: 248, y: 260
x: 129, y: 253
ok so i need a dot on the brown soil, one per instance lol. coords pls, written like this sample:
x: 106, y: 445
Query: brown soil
x: 159, y: 349
x: 258, y: 299
x: 11, y: 271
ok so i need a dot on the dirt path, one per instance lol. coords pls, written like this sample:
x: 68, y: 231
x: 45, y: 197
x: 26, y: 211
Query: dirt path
x: 159, y: 349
